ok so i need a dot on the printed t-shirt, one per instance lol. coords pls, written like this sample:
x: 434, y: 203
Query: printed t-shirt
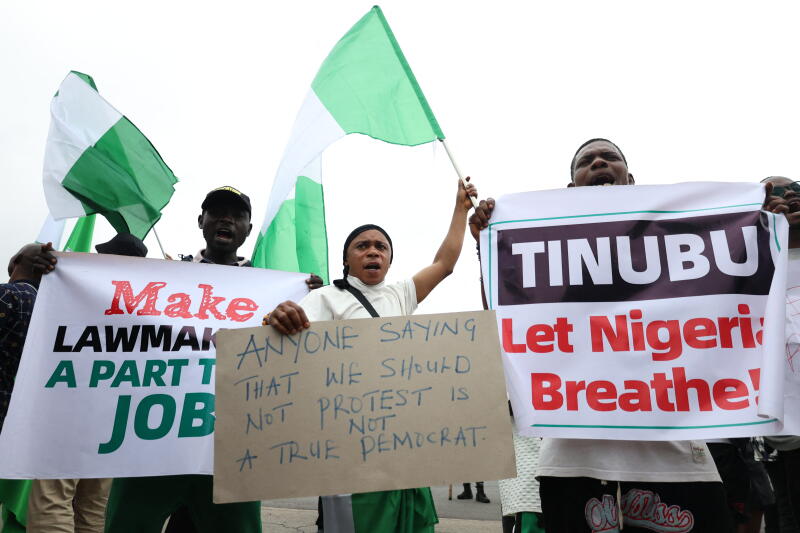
x: 627, y: 460
x: 332, y: 303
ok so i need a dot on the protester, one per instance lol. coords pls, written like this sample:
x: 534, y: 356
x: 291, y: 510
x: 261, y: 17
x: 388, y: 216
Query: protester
x: 519, y: 496
x: 142, y: 505
x: 77, y: 505
x: 361, y: 293
x: 577, y: 475
x: 784, y: 197
x: 17, y: 298
x: 480, y: 495
x: 745, y: 480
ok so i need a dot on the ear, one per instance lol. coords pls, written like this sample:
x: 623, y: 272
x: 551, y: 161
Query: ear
x: 200, y: 221
x: 249, y: 229
x: 631, y: 181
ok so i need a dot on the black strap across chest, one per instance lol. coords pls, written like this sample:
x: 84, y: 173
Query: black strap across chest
x: 362, y: 300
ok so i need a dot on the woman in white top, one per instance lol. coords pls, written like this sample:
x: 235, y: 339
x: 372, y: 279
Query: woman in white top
x: 367, y: 256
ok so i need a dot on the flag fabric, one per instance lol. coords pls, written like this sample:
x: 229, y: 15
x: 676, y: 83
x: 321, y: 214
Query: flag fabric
x: 52, y: 231
x: 97, y: 161
x: 365, y: 86
x: 80, y: 240
x: 389, y: 511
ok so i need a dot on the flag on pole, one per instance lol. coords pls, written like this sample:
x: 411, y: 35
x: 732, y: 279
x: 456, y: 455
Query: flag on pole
x: 97, y: 161
x: 365, y: 86
x: 80, y: 240
x: 52, y: 231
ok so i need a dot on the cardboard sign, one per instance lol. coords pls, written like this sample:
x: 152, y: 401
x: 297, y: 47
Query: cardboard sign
x: 641, y: 313
x: 360, y: 405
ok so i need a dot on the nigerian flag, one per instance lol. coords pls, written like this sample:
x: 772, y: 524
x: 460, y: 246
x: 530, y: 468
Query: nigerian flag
x: 97, y: 161
x: 364, y: 86
x: 80, y: 240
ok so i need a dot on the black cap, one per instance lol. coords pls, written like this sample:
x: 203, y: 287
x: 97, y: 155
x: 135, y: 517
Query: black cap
x: 123, y: 244
x: 227, y: 193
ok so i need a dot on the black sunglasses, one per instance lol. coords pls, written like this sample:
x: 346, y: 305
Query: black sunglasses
x: 780, y: 190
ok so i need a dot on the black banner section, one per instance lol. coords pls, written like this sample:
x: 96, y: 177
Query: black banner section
x: 635, y: 260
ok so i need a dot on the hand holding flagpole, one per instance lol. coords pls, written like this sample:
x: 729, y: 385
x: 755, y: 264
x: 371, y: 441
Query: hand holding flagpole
x: 458, y: 171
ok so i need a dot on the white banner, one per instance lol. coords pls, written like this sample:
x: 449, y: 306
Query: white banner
x: 117, y: 375
x: 640, y: 312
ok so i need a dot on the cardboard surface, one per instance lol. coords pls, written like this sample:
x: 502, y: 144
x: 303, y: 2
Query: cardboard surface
x: 360, y: 405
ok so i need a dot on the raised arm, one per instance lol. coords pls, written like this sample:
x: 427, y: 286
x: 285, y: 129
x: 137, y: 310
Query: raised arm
x: 445, y: 260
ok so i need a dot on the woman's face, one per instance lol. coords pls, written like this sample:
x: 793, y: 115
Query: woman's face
x: 369, y: 256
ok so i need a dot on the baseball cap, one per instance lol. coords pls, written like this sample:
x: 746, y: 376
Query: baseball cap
x: 123, y: 244
x: 227, y: 193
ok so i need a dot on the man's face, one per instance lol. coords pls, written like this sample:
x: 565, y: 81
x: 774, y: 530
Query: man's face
x: 368, y: 257
x: 786, y: 189
x: 600, y: 163
x: 225, y: 226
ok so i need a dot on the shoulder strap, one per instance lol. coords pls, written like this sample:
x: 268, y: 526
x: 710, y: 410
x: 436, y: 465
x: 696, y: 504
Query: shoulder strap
x: 362, y: 300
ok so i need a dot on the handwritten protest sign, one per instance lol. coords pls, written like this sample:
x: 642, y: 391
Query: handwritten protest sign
x: 117, y: 375
x: 644, y: 312
x: 360, y: 405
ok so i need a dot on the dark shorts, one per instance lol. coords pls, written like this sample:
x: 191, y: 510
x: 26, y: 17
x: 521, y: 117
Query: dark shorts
x: 587, y: 505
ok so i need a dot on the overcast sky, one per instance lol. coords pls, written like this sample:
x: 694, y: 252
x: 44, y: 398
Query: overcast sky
x: 689, y: 90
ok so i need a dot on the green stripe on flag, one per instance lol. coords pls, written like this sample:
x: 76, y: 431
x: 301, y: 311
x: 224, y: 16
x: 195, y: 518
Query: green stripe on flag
x: 80, y: 240
x: 296, y: 241
x: 394, y: 511
x: 123, y: 178
x: 368, y: 87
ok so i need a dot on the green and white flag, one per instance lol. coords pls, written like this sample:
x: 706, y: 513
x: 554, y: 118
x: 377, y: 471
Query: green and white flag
x: 97, y: 161
x: 364, y: 86
x: 80, y: 240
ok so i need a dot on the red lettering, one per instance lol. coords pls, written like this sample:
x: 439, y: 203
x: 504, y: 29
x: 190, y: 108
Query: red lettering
x: 617, y: 340
x: 149, y: 294
x: 726, y: 325
x: 682, y: 390
x: 637, y: 330
x: 209, y: 303
x: 508, y: 343
x: 726, y: 390
x: 563, y: 328
x: 746, y: 327
x: 241, y: 304
x: 179, y: 309
x: 546, y: 385
x: 598, y: 393
x: 539, y: 334
x: 673, y: 346
x: 638, y: 400
x: 661, y: 386
x: 695, y: 329
x: 573, y: 388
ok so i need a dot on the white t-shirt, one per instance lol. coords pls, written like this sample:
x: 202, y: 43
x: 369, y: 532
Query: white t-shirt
x: 332, y: 303
x: 627, y: 460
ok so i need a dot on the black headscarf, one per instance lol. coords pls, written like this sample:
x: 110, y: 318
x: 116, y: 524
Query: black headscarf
x: 342, y: 283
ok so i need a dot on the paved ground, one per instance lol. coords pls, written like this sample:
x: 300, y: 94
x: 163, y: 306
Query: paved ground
x: 277, y: 520
x: 297, y: 515
x: 462, y: 509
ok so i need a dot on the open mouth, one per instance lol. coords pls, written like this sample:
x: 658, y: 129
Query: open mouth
x: 224, y: 233
x: 603, y: 179
x: 372, y: 266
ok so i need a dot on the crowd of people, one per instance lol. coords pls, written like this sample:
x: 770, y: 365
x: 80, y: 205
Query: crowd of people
x: 728, y: 485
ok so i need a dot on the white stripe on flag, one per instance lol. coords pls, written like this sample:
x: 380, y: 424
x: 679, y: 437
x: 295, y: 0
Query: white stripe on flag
x: 52, y: 231
x: 314, y: 130
x: 79, y: 117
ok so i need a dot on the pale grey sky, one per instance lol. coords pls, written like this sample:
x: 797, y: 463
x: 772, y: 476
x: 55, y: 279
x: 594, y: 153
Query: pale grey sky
x: 689, y: 90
